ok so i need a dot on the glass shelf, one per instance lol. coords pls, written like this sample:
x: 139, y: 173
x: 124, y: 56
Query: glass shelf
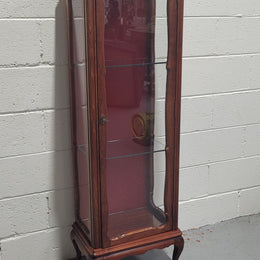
x: 125, y: 148
x: 136, y: 65
x: 83, y: 148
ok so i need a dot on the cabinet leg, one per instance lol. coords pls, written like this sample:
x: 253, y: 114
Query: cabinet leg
x: 178, y: 247
x: 78, y: 253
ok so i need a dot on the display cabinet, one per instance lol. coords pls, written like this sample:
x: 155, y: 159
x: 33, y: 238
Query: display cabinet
x: 125, y: 88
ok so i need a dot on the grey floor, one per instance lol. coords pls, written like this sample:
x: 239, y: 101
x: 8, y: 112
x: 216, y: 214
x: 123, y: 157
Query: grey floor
x: 237, y: 239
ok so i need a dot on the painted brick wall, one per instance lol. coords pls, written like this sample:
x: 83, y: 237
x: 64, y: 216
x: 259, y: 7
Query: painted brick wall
x: 220, y: 142
x: 36, y: 191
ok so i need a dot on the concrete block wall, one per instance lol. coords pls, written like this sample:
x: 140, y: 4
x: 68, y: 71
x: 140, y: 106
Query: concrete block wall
x: 36, y: 186
x: 220, y: 142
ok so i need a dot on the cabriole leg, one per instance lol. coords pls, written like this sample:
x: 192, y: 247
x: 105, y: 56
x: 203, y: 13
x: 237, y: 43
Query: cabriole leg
x: 78, y: 253
x: 178, y: 247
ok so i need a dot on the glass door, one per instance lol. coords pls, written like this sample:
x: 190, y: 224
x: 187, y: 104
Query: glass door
x: 134, y: 152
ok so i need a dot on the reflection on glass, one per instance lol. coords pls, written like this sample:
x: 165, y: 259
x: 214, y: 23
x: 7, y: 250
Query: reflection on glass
x: 135, y: 105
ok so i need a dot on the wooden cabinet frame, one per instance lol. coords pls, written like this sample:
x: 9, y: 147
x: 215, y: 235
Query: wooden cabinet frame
x: 93, y: 242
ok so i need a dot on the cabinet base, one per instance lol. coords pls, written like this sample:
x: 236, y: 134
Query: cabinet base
x: 137, y: 247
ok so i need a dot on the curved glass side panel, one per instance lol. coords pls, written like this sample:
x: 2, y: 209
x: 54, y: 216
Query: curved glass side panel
x: 81, y: 109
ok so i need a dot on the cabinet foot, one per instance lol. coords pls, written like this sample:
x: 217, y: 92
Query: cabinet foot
x: 178, y: 247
